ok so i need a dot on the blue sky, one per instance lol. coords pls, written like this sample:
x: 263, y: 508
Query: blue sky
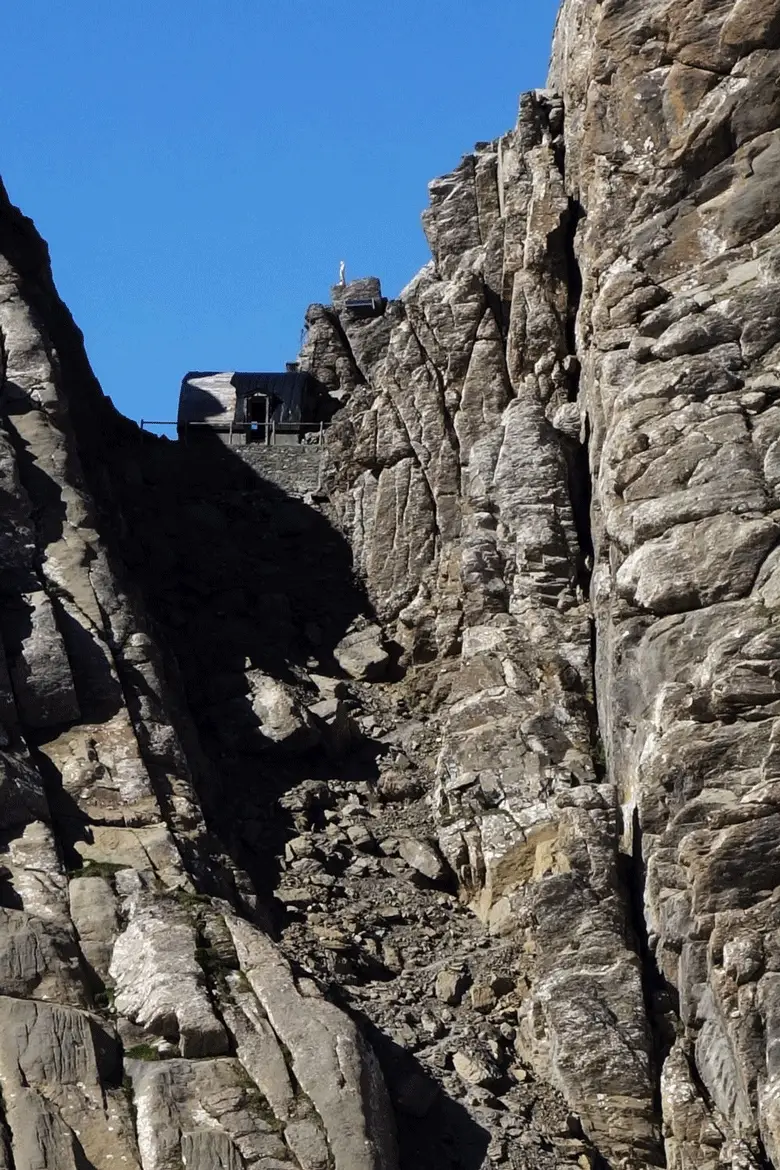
x: 199, y: 167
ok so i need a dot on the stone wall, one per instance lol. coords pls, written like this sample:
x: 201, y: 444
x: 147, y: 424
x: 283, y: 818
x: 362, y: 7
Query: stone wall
x: 296, y: 470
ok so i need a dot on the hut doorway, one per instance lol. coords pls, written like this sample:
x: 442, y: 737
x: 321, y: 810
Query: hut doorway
x: 259, y: 418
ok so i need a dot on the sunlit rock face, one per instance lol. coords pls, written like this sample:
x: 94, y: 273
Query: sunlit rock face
x: 670, y: 152
x: 424, y: 812
x: 560, y: 487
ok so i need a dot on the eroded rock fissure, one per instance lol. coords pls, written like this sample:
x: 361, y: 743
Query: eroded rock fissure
x: 344, y: 341
x: 575, y: 214
x: 660, y: 998
x: 577, y: 448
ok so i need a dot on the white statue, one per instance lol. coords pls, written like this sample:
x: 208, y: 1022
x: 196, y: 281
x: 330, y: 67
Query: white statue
x: 342, y: 274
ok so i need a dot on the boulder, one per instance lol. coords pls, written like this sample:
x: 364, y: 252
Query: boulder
x: 362, y: 656
x: 425, y: 858
x: 451, y: 986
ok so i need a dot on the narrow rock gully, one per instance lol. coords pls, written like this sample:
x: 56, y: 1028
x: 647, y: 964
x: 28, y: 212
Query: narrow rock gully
x: 316, y: 776
x: 318, y: 782
x: 251, y: 590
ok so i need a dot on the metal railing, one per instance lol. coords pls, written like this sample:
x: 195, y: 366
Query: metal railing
x: 315, y: 436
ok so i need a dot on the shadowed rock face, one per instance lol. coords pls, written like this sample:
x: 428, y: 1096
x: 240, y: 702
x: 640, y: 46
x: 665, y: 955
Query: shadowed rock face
x: 433, y: 821
x: 135, y: 1030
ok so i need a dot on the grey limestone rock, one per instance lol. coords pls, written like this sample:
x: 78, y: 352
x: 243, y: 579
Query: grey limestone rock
x: 424, y: 857
x: 553, y: 465
x: 361, y: 655
x: 159, y: 984
x: 451, y: 986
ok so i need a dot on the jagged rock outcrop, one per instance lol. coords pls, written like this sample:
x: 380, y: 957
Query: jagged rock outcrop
x: 491, y: 820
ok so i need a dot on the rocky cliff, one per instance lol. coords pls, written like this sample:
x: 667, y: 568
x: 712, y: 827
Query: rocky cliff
x: 429, y: 818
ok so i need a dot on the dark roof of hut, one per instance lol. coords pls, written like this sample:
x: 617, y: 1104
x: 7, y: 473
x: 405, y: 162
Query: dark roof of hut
x: 217, y: 398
